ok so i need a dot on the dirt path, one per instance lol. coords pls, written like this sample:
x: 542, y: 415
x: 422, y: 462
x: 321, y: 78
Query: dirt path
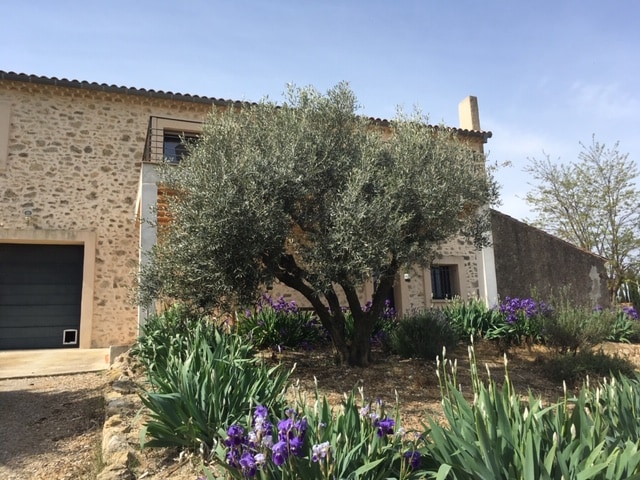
x: 51, y: 427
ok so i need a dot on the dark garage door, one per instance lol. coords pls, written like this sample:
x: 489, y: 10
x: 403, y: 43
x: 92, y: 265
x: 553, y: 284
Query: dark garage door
x: 40, y: 294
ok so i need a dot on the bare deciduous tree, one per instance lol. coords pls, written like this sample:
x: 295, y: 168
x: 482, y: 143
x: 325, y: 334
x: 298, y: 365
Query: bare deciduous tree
x: 593, y: 203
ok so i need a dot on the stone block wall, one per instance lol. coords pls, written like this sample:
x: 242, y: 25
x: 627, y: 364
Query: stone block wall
x: 74, y: 159
x: 529, y: 259
x: 458, y: 252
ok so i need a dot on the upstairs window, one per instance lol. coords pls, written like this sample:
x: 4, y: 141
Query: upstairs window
x: 444, y: 282
x: 167, y: 138
x: 174, y: 148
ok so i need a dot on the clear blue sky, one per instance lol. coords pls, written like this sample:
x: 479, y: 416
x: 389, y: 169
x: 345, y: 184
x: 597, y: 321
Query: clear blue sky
x: 548, y: 74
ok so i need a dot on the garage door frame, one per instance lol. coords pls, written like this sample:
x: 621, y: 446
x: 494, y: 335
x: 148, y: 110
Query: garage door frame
x: 65, y: 237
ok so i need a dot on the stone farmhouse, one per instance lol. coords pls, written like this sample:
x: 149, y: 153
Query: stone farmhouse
x: 77, y: 180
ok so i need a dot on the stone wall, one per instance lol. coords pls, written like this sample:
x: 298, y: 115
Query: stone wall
x: 458, y: 252
x: 529, y: 259
x: 74, y: 160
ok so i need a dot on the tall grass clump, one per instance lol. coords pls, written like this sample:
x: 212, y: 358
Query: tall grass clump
x: 498, y: 435
x: 623, y: 326
x: 202, y: 379
x: 471, y: 317
x: 278, y: 323
x: 422, y: 334
x: 170, y: 332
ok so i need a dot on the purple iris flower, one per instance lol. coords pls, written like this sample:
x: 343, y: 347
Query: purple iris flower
x: 384, y: 426
x: 285, y: 429
x: 233, y: 457
x: 295, y: 445
x: 248, y: 464
x: 413, y: 457
x: 320, y: 451
x: 630, y: 312
x: 279, y: 453
x: 261, y: 411
x: 235, y: 435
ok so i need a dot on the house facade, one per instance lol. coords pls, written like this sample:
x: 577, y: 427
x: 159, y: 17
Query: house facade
x: 77, y: 182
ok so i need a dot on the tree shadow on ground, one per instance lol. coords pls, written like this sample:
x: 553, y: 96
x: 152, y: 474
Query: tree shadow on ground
x: 33, y: 422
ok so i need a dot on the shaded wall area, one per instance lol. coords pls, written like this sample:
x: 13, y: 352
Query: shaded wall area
x: 528, y: 258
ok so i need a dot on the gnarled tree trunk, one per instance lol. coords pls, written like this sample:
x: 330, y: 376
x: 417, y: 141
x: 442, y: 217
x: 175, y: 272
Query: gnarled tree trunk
x: 360, y: 348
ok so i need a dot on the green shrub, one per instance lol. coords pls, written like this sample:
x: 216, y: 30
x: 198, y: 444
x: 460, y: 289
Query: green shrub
x: 471, y: 317
x: 634, y: 336
x: 170, y: 332
x: 574, y: 369
x: 634, y: 295
x: 501, y: 436
x: 570, y: 329
x: 357, y: 441
x: 622, y: 326
x: 280, y: 324
x: 423, y: 334
x: 204, y: 385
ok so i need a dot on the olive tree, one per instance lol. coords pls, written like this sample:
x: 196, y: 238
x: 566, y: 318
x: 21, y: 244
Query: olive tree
x: 593, y: 203
x: 320, y: 198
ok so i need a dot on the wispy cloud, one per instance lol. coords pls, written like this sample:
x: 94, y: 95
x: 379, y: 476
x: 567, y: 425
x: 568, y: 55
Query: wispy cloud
x: 516, y: 143
x: 608, y: 100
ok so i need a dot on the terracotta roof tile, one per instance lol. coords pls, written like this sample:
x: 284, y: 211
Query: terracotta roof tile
x: 182, y: 97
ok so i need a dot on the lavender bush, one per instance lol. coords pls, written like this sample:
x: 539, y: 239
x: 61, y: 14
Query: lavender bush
x: 422, y: 334
x: 570, y: 329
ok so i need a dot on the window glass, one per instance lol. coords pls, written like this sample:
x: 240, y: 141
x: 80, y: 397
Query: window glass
x: 443, y: 282
x: 174, y: 149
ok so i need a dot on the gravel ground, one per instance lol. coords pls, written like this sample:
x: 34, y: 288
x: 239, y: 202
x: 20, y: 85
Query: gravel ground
x: 51, y: 427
